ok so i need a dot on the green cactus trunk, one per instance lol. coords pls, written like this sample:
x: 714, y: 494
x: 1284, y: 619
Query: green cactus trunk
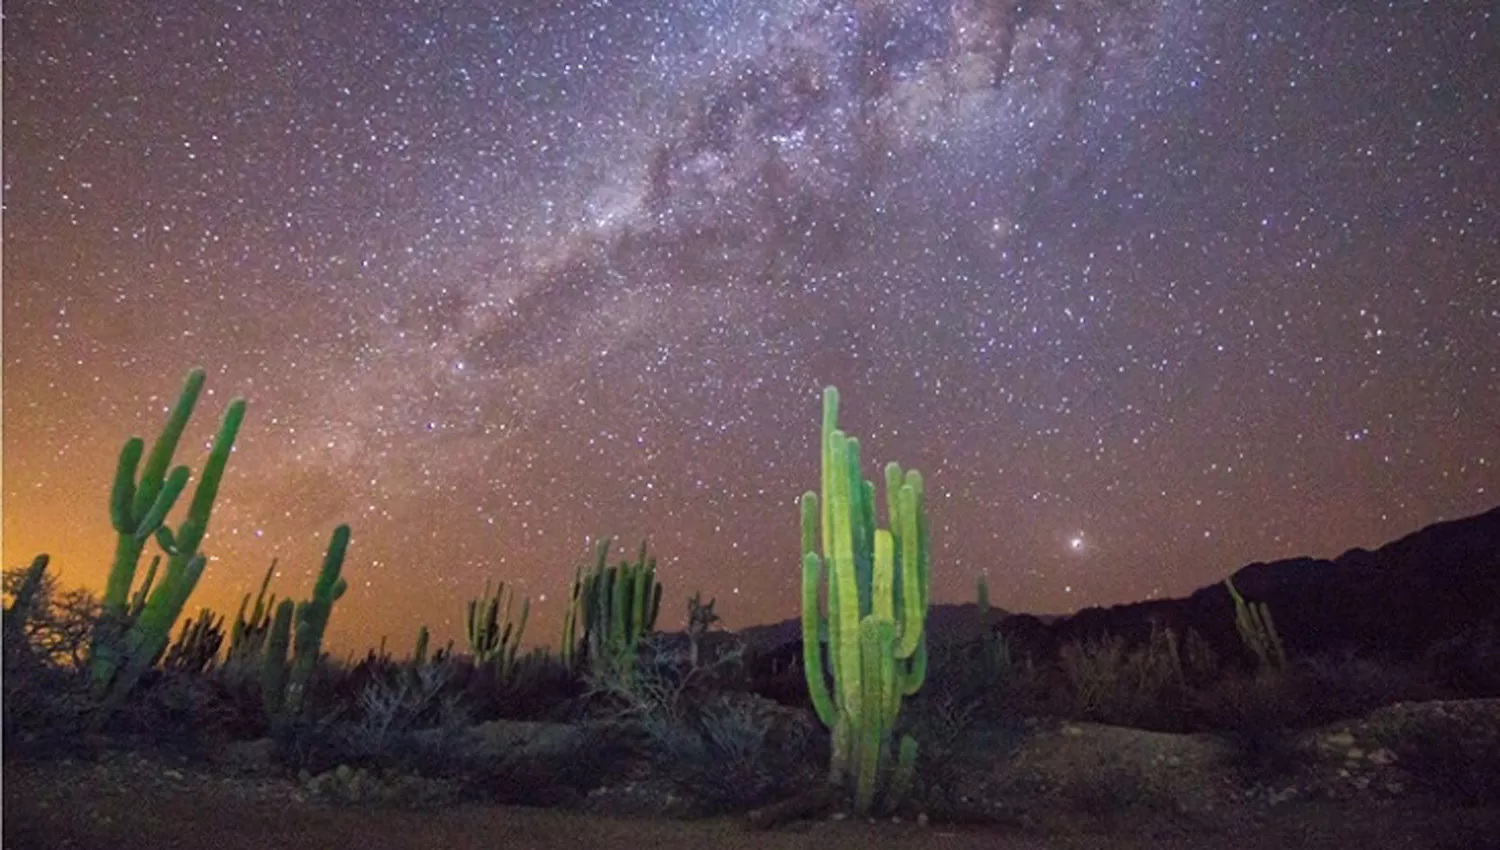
x: 128, y: 641
x: 274, y: 667
x: 876, y: 606
x: 312, y: 620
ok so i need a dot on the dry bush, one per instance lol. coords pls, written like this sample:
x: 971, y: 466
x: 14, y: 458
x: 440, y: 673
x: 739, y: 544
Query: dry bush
x: 1342, y: 685
x: 724, y: 750
x: 1111, y: 682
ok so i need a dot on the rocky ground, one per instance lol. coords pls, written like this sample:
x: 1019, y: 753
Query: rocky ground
x: 1410, y: 775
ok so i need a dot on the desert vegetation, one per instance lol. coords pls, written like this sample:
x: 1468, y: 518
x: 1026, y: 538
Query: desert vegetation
x: 869, y: 713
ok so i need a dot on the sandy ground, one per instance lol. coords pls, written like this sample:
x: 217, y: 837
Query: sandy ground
x: 80, y: 805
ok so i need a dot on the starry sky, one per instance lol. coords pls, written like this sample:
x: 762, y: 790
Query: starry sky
x: 1147, y: 289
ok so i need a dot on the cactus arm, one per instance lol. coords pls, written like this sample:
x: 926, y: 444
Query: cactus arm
x: 844, y: 617
x: 166, y: 498
x: 419, y: 654
x: 913, y: 573
x: 122, y: 492
x: 166, y: 444
x: 138, y: 600
x: 196, y: 525
x: 812, y: 660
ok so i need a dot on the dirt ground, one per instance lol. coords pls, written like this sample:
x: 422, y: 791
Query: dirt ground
x: 84, y: 805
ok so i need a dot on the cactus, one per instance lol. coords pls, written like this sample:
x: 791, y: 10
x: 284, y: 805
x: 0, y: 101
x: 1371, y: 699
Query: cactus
x: 877, y: 598
x: 128, y: 641
x: 300, y: 627
x: 1257, y: 630
x: 196, y: 647
x: 493, y: 637
x: 29, y: 597
x: 616, y: 606
x: 248, y: 634
x: 312, y: 619
x: 26, y: 595
x: 137, y: 509
x: 273, y: 665
x: 419, y: 654
x: 994, y: 652
x: 701, y: 618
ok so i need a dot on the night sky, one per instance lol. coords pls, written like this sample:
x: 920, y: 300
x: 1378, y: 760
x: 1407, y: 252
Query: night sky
x: 1146, y: 289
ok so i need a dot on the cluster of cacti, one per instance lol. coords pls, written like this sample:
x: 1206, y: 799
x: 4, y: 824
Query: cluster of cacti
x: 247, y: 636
x: 877, y: 598
x: 196, y: 647
x: 701, y: 618
x: 129, y: 639
x: 284, y: 685
x: 493, y: 636
x: 1257, y: 630
x: 609, y: 610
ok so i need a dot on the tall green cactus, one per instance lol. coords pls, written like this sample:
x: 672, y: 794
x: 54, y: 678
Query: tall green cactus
x: 312, y: 619
x: 877, y: 598
x: 493, y: 636
x: 297, y: 629
x: 129, y: 640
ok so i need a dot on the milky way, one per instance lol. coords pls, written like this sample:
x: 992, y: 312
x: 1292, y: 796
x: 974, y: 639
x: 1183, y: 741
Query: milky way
x: 1146, y: 289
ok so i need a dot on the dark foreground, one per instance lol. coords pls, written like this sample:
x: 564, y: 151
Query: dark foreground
x: 139, y: 804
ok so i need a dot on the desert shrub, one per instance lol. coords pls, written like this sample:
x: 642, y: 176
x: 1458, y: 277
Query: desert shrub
x: 311, y: 743
x: 540, y: 688
x: 184, y: 713
x: 1345, y: 685
x: 963, y: 718
x: 59, y: 623
x: 402, y: 718
x: 396, y: 703
x: 1258, y: 716
x: 724, y: 750
x: 1111, y: 682
x: 1469, y: 663
x: 558, y: 766
x: 46, y: 708
x: 44, y: 681
x: 734, y: 751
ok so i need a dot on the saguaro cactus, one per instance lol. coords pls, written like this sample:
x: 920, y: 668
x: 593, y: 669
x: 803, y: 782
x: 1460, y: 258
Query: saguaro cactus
x: 877, y: 598
x: 299, y: 627
x: 127, y: 642
x: 312, y: 619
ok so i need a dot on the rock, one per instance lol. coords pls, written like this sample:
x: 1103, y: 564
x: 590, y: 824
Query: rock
x: 1341, y: 740
x: 250, y: 757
